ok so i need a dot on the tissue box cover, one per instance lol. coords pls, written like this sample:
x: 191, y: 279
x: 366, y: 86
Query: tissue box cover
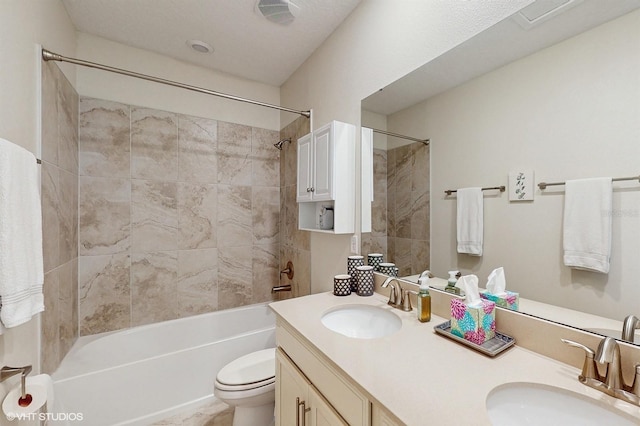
x: 475, y: 324
x: 509, y: 300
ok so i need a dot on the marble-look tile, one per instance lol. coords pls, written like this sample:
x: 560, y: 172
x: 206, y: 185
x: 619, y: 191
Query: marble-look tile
x: 419, y: 256
x: 68, y: 101
x: 265, y: 208
x: 50, y: 215
x: 420, y: 215
x: 216, y: 413
x: 402, y: 257
x: 265, y: 157
x: 265, y: 272
x: 302, y: 266
x: 104, y: 297
x: 154, y: 144
x: 68, y: 212
x: 379, y: 245
x: 154, y: 287
x: 234, y: 154
x: 154, y: 216
x: 105, y: 220
x: 420, y: 167
x: 234, y: 216
x: 50, y: 351
x: 68, y: 306
x: 234, y: 277
x: 197, y: 149
x: 104, y: 138
x: 197, y: 281
x: 197, y: 215
x: 49, y: 113
x: 379, y: 215
x: 403, y: 211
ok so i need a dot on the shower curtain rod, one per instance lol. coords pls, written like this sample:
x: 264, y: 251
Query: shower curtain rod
x: 396, y: 135
x: 50, y: 56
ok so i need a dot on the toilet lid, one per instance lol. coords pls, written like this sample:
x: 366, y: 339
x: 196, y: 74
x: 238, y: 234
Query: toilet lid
x: 252, y: 368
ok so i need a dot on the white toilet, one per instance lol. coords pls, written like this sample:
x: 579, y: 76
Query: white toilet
x: 248, y: 384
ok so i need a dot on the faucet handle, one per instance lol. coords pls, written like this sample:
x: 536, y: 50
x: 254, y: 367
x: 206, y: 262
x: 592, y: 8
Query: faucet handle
x: 589, y: 370
x: 406, y: 300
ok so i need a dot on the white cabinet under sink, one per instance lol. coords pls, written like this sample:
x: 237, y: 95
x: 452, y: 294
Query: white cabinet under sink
x: 306, y: 380
x: 326, y: 177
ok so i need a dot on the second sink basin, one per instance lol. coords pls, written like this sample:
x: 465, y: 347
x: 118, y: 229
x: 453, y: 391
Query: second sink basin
x: 361, y: 321
x: 515, y: 404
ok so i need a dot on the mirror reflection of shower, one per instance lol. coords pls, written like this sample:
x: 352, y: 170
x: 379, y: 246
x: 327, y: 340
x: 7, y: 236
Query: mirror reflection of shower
x: 281, y: 142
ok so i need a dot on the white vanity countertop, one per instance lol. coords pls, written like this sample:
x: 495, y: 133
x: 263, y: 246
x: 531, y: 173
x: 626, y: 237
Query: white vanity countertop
x: 417, y: 374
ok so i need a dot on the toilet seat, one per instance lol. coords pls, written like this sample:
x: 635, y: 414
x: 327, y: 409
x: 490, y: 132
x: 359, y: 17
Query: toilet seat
x: 251, y: 371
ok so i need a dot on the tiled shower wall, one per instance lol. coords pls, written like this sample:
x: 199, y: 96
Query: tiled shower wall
x: 400, y: 210
x: 178, y: 215
x: 59, y: 191
x: 295, y: 244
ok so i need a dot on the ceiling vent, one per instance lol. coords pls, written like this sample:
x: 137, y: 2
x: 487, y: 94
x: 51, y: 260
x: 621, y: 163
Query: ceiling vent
x: 542, y: 10
x: 281, y: 12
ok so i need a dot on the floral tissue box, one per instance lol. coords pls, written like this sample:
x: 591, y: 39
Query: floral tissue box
x: 475, y: 324
x: 509, y: 300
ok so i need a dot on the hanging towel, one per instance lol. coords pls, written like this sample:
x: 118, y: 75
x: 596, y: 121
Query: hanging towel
x: 587, y: 224
x: 470, y: 221
x: 21, y: 267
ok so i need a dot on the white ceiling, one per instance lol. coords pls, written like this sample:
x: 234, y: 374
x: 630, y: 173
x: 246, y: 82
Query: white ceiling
x: 245, y: 43
x: 499, y: 45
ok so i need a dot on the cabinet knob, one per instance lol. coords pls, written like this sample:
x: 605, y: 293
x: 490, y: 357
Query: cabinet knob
x: 308, y: 189
x: 312, y: 189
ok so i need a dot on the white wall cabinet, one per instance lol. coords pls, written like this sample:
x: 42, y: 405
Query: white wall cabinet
x: 326, y: 177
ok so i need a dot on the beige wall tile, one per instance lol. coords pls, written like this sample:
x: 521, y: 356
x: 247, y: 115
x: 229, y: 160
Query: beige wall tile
x: 50, y: 194
x: 68, y: 305
x: 50, y: 351
x: 154, y: 216
x: 234, y: 276
x: 265, y: 272
x: 104, y: 138
x: 49, y: 113
x: 234, y: 216
x: 265, y: 158
x: 104, y: 296
x: 154, y: 288
x: 67, y: 126
x: 154, y: 144
x: 197, y: 215
x: 105, y: 216
x: 265, y: 208
x: 197, y: 281
x: 234, y: 154
x: 197, y: 149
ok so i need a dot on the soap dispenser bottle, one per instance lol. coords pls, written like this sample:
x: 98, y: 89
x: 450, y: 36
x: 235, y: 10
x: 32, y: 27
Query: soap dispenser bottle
x: 424, y: 300
x: 451, y: 283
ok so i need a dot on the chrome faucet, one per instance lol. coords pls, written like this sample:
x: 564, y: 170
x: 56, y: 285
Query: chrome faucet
x: 395, y: 292
x: 629, y: 327
x: 398, y: 292
x: 608, y: 353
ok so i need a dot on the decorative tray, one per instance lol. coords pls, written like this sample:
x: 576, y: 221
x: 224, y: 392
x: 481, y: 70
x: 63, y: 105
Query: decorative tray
x: 491, y: 347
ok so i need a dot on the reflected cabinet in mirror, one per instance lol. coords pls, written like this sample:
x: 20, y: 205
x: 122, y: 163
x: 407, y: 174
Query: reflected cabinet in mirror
x: 559, y: 97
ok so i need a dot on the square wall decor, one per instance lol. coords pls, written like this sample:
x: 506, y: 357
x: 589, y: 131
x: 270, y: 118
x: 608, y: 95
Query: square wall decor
x: 521, y: 185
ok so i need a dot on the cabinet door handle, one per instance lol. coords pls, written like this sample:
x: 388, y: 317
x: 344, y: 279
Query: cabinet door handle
x: 308, y: 189
x: 304, y: 411
x: 312, y: 189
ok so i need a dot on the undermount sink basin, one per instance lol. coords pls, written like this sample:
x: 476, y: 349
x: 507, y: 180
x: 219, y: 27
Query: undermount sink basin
x: 515, y: 404
x: 361, y: 321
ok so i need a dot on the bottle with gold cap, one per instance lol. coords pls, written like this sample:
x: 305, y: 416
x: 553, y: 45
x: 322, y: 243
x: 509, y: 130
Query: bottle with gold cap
x: 424, y: 299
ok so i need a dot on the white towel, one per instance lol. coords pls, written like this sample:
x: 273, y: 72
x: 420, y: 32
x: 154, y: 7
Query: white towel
x: 470, y: 221
x: 21, y: 267
x: 587, y: 224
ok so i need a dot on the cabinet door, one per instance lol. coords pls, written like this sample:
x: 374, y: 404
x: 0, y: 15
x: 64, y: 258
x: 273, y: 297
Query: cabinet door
x: 305, y: 157
x: 292, y: 393
x: 322, y: 413
x: 323, y: 164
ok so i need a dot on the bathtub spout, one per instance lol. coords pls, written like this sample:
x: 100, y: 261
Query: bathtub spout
x: 281, y: 288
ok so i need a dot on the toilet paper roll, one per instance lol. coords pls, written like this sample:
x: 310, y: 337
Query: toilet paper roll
x: 40, y: 388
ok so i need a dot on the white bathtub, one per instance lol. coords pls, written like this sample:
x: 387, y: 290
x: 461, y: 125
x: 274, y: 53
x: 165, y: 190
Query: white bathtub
x: 144, y: 374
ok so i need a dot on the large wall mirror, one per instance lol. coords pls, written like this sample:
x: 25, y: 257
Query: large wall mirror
x: 557, y: 95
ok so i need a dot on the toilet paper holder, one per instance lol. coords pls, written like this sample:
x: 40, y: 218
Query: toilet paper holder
x: 7, y: 372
